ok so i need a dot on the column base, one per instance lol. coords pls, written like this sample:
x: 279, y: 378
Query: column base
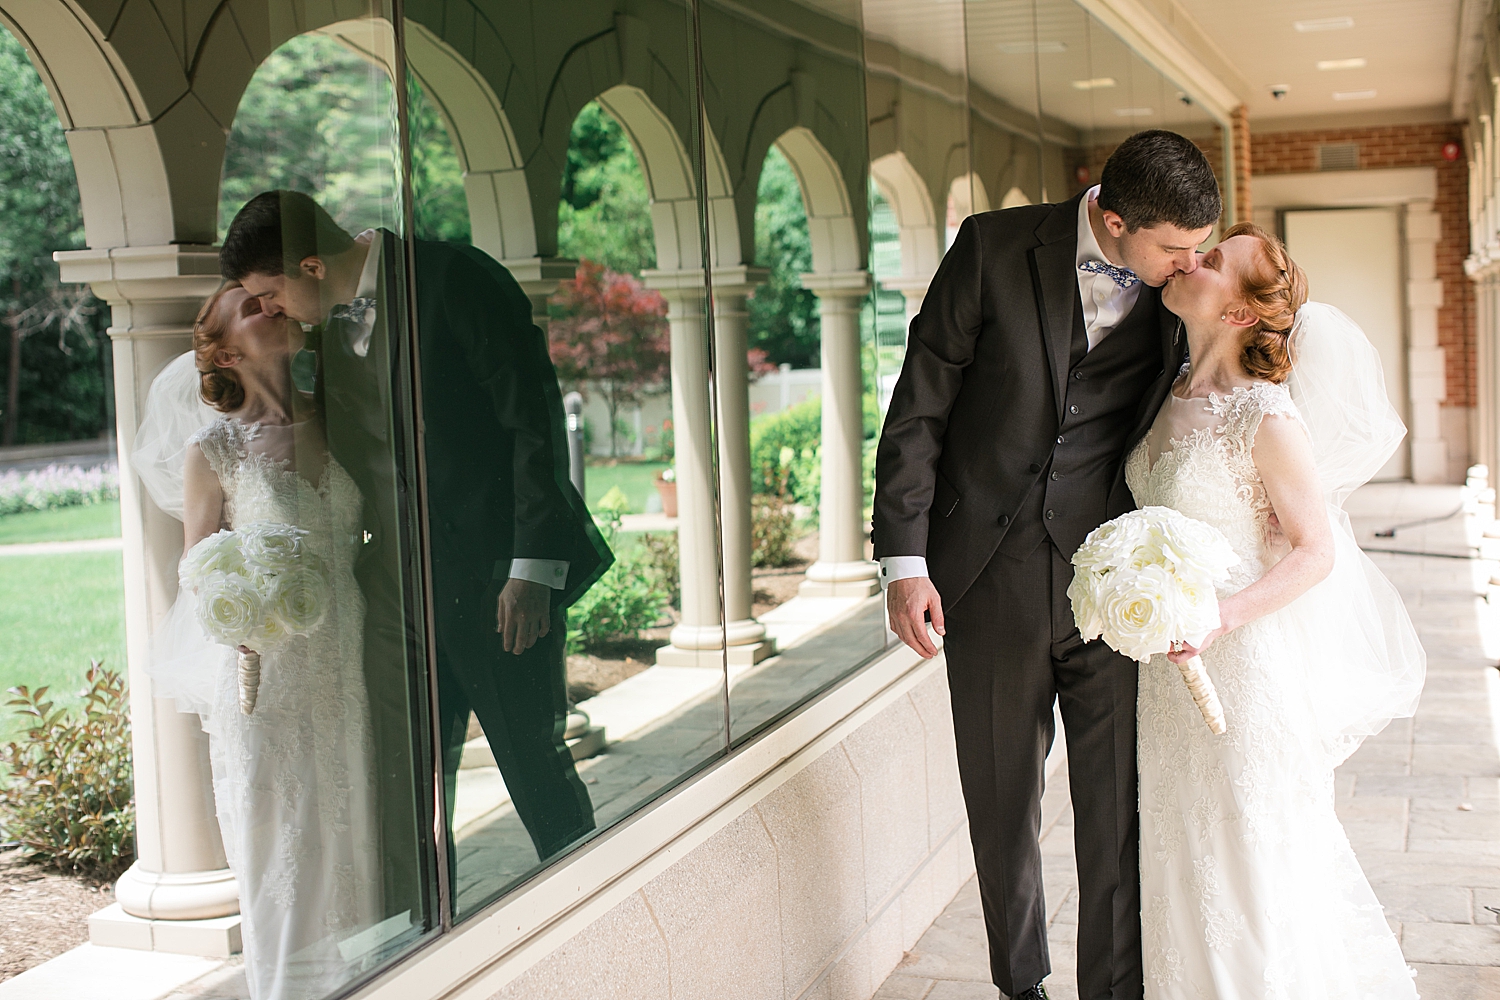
x: 841, y: 579
x: 746, y: 655
x: 213, y: 937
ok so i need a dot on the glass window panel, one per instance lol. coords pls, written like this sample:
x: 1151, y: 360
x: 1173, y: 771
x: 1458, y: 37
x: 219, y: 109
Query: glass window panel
x: 785, y: 167
x: 323, y: 790
x: 568, y: 423
x: 1004, y: 133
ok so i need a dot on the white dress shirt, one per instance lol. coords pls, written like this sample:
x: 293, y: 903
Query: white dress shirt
x: 1105, y: 305
x: 548, y: 572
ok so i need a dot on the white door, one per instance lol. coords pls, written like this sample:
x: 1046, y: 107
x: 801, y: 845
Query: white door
x: 1353, y: 260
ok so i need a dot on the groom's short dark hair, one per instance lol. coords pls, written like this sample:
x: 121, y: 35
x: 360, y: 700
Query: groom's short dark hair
x: 1157, y: 177
x: 275, y: 232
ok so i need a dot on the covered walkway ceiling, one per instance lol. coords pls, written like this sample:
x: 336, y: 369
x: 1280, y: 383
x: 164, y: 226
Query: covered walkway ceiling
x: 1408, y: 48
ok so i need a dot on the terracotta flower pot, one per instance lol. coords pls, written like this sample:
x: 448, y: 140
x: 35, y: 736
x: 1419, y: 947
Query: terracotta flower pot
x: 667, y: 488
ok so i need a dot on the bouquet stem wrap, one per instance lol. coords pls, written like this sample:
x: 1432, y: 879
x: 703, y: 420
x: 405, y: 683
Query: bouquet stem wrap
x: 249, y: 671
x: 1204, y: 695
x: 1144, y: 582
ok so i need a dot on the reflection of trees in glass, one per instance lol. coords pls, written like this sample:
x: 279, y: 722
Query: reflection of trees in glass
x: 54, y: 369
x: 783, y: 314
x: 317, y: 118
x: 609, y: 334
x: 604, y: 214
x: 440, y: 209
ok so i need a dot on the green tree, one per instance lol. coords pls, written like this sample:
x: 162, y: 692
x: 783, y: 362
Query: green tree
x: 55, y: 370
x: 440, y: 208
x: 604, y: 214
x: 783, y: 314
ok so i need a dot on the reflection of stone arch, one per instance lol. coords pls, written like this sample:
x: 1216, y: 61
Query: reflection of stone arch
x: 668, y: 170
x: 966, y: 196
x: 906, y: 193
x: 500, y: 219
x: 1014, y: 198
x: 830, y: 213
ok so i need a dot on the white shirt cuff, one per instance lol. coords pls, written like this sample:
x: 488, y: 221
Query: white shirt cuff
x: 549, y: 572
x: 893, y: 568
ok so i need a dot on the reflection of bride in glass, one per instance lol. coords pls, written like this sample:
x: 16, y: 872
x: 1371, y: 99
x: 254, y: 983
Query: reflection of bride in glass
x: 293, y: 782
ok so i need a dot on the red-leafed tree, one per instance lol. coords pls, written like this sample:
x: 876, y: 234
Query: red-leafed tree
x: 610, y: 331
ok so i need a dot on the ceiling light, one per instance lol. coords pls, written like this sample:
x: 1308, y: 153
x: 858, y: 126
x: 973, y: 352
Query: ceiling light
x: 1026, y: 48
x: 1341, y: 64
x: 1097, y: 83
x: 1134, y: 112
x: 1353, y: 95
x: 1324, y: 24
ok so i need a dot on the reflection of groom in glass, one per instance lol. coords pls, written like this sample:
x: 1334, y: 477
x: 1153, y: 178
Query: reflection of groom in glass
x: 507, y: 528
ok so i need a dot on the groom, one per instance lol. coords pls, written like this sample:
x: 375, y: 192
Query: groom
x: 1040, y: 357
x: 510, y: 541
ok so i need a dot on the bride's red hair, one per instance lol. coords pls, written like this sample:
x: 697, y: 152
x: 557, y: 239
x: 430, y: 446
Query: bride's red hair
x: 218, y: 386
x: 1273, y: 292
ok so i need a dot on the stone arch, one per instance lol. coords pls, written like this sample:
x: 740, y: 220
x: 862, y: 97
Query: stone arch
x: 1014, y: 198
x: 906, y: 192
x: 966, y: 196
x: 668, y: 169
x: 836, y: 246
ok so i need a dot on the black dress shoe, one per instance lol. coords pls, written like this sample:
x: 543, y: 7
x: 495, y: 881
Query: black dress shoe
x: 1037, y: 992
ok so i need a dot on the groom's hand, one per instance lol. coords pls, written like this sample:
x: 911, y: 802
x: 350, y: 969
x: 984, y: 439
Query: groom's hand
x: 909, y: 602
x: 522, y: 615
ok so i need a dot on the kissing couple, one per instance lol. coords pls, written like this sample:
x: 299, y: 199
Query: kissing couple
x: 1070, y: 363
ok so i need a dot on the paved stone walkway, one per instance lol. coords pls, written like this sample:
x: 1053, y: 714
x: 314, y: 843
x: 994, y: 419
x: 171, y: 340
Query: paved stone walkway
x: 1420, y: 802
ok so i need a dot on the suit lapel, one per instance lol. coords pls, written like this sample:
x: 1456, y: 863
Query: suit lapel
x: 1172, y: 349
x: 1055, y: 263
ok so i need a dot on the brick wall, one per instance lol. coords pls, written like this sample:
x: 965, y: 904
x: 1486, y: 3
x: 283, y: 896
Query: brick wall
x: 1404, y: 146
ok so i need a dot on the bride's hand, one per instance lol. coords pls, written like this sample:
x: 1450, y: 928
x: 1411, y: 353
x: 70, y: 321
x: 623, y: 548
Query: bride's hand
x: 1186, y: 651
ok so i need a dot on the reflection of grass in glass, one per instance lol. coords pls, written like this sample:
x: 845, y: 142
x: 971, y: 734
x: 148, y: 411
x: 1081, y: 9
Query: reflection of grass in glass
x: 57, y: 611
x: 101, y: 520
x: 637, y: 480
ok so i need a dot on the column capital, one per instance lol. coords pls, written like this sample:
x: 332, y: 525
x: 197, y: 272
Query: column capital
x: 837, y: 284
x: 906, y: 284
x: 152, y: 291
x: 529, y: 271
x: 739, y: 279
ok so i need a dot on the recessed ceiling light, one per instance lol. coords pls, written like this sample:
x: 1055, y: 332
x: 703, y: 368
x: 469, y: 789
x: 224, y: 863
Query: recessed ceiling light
x: 1026, y: 48
x: 1341, y: 64
x: 1353, y: 95
x: 1324, y: 24
x: 1134, y: 112
x: 1097, y: 83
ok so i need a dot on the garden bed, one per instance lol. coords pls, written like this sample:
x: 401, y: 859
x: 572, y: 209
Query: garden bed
x: 42, y: 913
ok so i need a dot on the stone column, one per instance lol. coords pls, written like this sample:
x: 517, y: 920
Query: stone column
x: 913, y: 289
x: 698, y: 640
x: 179, y: 894
x: 539, y: 278
x: 842, y: 569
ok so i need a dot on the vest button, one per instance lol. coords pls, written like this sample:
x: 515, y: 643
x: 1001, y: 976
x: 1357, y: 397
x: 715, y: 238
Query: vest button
x: 1033, y: 467
x: 1060, y: 439
x: 1004, y: 520
x: 1073, y: 409
x: 1051, y: 514
x: 1056, y: 476
x: 1078, y: 376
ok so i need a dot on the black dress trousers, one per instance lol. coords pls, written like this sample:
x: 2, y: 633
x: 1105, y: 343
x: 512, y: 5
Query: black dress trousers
x: 1012, y: 647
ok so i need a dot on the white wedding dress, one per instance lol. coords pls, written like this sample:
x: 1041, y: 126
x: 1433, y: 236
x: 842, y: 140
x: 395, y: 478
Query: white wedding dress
x: 293, y: 782
x: 1249, y: 887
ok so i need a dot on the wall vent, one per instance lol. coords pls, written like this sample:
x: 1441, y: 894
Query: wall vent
x: 1338, y: 156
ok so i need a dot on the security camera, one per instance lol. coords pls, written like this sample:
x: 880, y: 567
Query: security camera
x: 1278, y: 91
x: 1184, y: 98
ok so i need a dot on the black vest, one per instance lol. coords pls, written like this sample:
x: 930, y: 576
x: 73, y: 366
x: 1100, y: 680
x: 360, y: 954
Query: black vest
x: 1104, y: 390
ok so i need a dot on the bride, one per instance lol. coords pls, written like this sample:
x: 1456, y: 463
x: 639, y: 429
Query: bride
x: 292, y: 781
x: 1249, y: 887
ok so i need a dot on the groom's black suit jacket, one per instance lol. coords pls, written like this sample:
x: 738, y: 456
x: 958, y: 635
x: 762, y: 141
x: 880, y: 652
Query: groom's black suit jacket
x: 995, y: 432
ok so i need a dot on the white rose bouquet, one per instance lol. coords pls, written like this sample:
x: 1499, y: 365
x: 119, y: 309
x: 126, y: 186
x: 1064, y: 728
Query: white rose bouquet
x: 1145, y: 581
x: 257, y: 587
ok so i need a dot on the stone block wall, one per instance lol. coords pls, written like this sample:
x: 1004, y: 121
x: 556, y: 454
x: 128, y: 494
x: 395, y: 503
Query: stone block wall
x: 813, y: 893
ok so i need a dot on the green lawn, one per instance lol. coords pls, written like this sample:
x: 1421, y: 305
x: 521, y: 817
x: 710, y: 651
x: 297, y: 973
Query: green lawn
x: 57, y: 611
x: 635, y: 479
x: 65, y: 524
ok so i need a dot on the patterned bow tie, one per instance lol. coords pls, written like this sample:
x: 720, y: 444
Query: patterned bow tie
x: 1123, y: 277
x: 358, y: 310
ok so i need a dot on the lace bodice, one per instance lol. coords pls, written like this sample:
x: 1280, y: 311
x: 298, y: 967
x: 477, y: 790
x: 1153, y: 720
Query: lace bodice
x: 1198, y: 459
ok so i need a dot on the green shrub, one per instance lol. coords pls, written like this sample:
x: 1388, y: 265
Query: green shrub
x: 772, y: 531
x: 659, y: 564
x: 786, y: 454
x: 625, y: 600
x: 67, y: 801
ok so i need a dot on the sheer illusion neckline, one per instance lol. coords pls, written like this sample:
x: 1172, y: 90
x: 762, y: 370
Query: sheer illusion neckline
x: 251, y: 429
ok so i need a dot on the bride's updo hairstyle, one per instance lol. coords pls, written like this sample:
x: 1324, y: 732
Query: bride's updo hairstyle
x: 218, y: 386
x: 1273, y: 292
